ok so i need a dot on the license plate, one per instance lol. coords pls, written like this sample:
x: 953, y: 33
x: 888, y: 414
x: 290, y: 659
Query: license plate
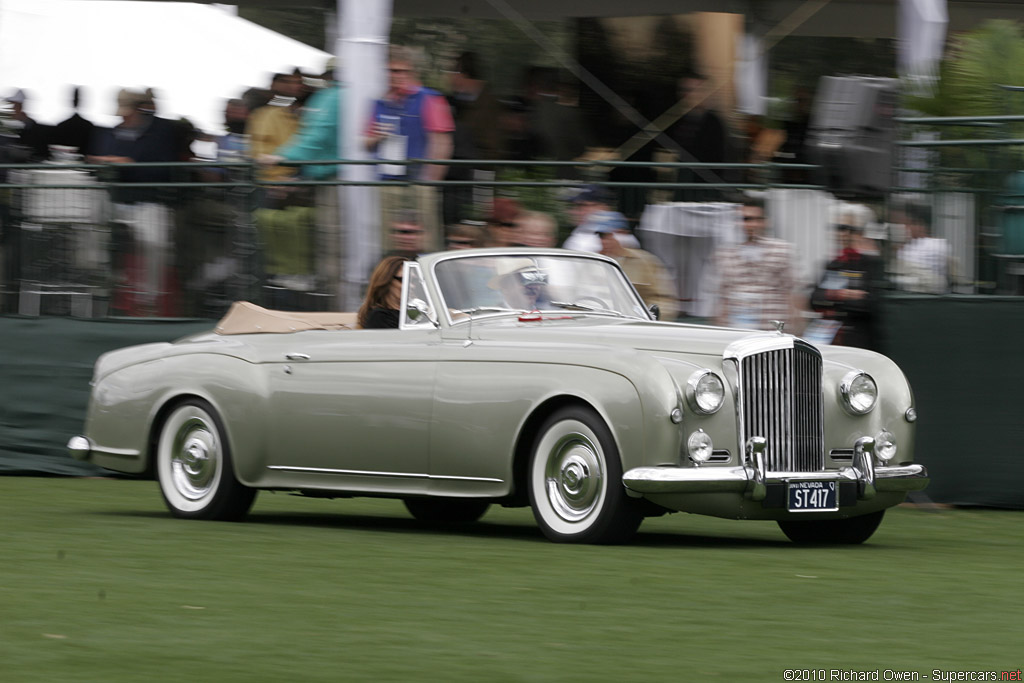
x: 813, y: 496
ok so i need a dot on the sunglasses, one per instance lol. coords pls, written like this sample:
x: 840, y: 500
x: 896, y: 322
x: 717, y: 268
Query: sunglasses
x: 461, y: 243
x: 407, y: 231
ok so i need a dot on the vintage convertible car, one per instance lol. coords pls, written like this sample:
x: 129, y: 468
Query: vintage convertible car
x: 518, y: 377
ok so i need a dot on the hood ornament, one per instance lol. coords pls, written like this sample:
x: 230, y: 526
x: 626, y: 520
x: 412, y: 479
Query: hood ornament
x: 779, y: 324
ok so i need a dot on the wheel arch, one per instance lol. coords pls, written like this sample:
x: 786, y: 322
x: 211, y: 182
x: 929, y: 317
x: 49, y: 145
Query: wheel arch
x: 528, y: 435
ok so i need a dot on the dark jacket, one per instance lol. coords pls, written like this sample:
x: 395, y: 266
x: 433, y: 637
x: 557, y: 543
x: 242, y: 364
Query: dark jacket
x: 859, y: 317
x: 157, y: 140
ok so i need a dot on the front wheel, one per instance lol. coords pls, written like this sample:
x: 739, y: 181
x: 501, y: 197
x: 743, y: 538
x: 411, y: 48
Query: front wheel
x: 850, y: 531
x: 193, y: 465
x: 575, y: 481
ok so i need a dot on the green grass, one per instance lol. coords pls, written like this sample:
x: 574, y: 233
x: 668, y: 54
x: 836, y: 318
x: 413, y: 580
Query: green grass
x: 99, y: 583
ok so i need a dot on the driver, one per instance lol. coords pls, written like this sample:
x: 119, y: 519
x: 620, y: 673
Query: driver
x: 524, y: 288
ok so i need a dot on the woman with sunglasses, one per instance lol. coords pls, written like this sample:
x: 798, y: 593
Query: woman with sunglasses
x: 383, y: 295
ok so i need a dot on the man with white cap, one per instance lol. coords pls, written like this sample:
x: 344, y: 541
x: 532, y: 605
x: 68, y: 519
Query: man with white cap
x: 591, y: 210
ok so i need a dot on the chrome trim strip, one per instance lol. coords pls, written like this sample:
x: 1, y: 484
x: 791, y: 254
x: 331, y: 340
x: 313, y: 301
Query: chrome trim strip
x: 756, y: 344
x: 116, y: 452
x: 740, y: 479
x: 370, y: 473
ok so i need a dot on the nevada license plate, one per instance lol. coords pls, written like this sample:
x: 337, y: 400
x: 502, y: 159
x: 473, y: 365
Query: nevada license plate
x: 813, y: 496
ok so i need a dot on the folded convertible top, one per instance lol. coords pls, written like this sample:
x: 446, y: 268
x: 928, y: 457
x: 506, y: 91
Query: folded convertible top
x: 248, y: 318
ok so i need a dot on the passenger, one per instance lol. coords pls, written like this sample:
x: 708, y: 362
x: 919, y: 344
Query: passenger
x: 383, y: 295
x: 523, y: 288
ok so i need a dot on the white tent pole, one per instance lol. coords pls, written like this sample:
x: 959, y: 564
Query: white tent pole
x: 364, y: 27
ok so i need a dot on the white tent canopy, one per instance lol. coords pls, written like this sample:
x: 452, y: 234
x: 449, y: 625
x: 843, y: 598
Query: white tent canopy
x: 194, y: 56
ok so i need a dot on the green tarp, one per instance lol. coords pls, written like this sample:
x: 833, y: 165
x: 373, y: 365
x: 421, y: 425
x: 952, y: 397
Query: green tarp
x: 962, y: 356
x: 45, y: 368
x: 965, y: 361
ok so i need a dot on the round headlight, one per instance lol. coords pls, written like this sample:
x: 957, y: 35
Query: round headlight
x: 699, y: 446
x: 858, y: 392
x: 885, y: 445
x: 705, y: 392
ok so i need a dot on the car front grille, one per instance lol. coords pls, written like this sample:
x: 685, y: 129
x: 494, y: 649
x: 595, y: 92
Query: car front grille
x: 780, y: 400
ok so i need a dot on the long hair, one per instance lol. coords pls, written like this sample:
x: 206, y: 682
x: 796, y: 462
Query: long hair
x: 380, y: 285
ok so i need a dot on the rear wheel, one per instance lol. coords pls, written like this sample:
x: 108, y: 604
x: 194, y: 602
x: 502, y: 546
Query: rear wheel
x: 194, y: 468
x: 446, y: 510
x: 850, y: 531
x: 575, y: 481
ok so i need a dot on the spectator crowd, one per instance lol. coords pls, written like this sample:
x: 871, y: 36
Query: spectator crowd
x: 300, y: 227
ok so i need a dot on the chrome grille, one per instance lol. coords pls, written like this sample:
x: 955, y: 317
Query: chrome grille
x: 780, y: 400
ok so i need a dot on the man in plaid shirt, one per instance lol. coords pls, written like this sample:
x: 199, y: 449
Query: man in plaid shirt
x: 755, y: 278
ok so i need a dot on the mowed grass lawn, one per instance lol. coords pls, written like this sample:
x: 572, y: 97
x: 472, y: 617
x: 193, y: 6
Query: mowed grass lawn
x: 99, y: 583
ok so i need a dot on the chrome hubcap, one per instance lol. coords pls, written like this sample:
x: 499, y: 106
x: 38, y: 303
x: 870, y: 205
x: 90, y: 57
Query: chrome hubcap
x: 195, y: 458
x: 574, y: 477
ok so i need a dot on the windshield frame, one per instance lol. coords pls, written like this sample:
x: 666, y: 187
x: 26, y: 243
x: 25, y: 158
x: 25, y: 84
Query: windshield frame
x: 444, y: 257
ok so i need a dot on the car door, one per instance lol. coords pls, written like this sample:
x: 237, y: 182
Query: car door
x: 353, y: 409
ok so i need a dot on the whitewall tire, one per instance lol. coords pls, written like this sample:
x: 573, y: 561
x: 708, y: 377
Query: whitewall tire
x: 194, y: 468
x: 575, y: 481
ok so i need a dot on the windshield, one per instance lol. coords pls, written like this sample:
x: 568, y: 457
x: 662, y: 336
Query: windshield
x: 516, y: 283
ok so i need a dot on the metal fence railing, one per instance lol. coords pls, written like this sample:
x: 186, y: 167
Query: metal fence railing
x: 970, y: 171
x: 78, y: 239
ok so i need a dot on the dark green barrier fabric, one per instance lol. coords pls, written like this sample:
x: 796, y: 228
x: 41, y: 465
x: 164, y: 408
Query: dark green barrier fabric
x: 45, y: 368
x: 964, y: 358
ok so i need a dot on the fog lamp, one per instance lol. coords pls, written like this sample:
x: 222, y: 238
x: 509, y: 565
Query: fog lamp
x: 699, y: 446
x: 885, y: 445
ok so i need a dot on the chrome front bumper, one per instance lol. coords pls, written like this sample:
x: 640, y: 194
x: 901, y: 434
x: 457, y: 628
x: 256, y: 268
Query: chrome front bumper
x: 753, y: 478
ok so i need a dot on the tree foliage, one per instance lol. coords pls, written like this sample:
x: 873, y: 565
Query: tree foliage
x: 976, y: 65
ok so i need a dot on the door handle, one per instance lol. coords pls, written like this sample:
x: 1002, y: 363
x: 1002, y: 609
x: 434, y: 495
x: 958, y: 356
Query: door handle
x: 297, y: 356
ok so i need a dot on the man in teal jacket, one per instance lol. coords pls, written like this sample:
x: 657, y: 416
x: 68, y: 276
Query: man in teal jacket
x: 317, y: 140
x: 317, y: 136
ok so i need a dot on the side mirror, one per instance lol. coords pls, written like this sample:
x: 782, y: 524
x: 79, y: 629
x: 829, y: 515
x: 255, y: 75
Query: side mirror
x: 418, y: 312
x: 655, y: 310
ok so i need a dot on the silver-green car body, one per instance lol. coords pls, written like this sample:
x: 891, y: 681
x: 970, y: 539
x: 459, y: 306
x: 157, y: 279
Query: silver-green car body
x: 579, y: 404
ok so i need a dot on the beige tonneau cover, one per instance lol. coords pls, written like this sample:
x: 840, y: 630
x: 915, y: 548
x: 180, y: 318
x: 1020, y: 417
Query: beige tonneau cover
x: 247, y: 318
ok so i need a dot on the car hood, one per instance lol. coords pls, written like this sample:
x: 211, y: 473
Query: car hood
x: 634, y: 334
